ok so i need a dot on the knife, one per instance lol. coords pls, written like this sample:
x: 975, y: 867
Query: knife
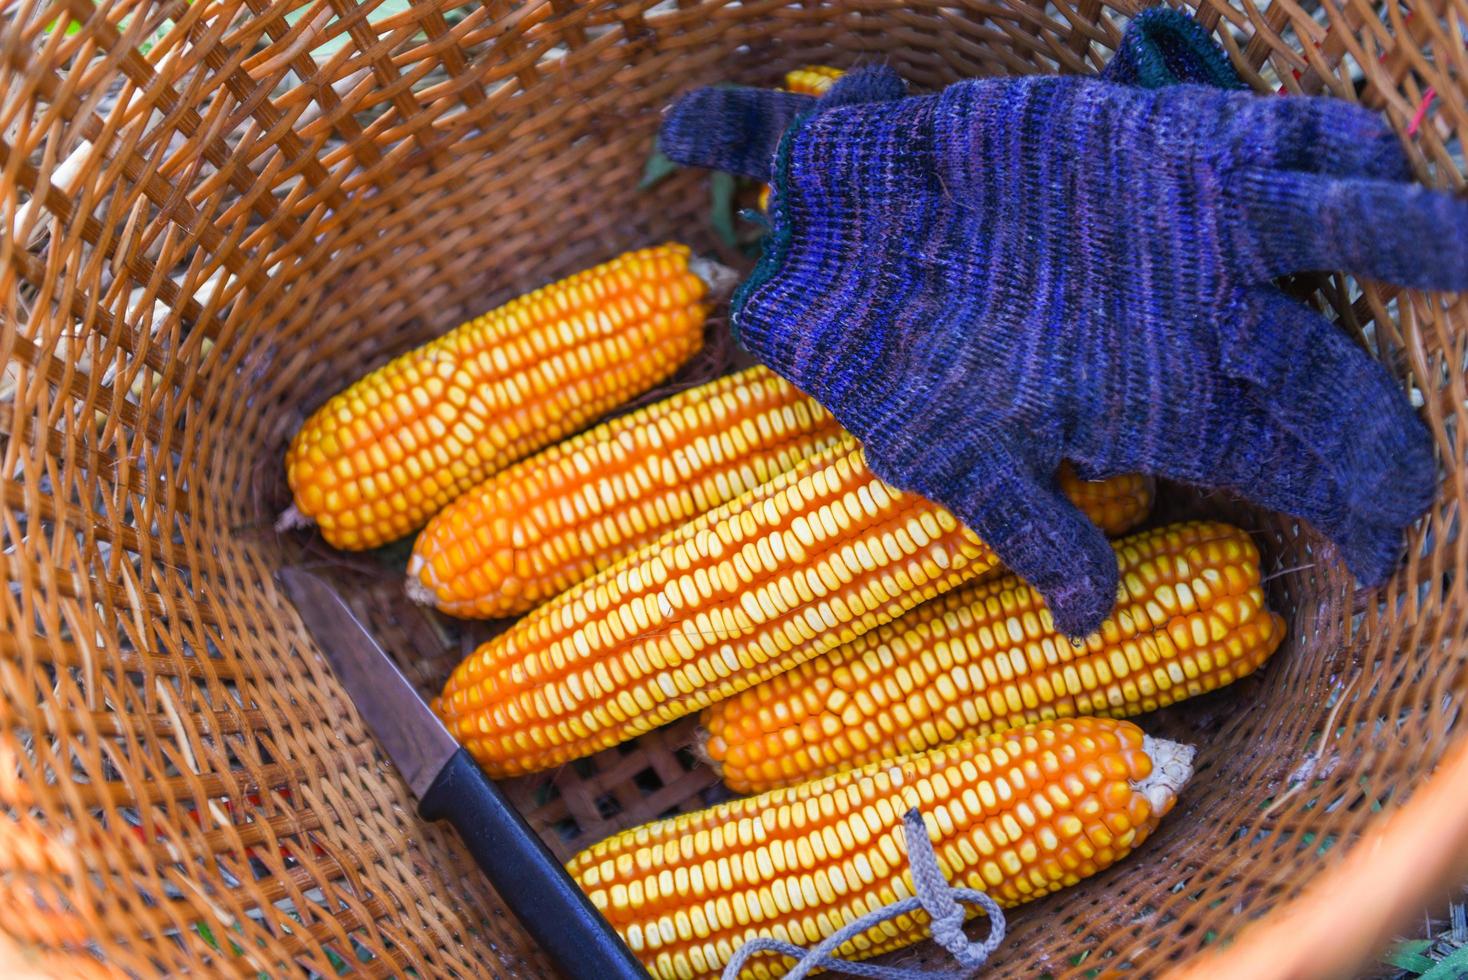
x: 450, y: 786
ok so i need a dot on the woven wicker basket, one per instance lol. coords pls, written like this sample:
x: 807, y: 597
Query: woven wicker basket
x: 215, y: 213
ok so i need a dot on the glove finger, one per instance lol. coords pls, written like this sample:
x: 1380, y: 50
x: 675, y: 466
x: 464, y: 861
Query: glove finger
x: 1400, y: 233
x: 1041, y: 536
x: 876, y: 83
x: 1273, y: 468
x: 731, y: 129
x: 1323, y: 390
x: 1162, y: 46
x: 1371, y: 551
x: 1323, y: 136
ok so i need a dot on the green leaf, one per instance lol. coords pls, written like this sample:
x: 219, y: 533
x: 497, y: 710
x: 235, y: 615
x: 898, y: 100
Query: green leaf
x: 1450, y: 967
x: 73, y: 27
x: 337, y: 963
x: 1408, y: 956
x: 156, y: 37
x: 721, y: 209
x: 207, y: 934
x: 656, y: 169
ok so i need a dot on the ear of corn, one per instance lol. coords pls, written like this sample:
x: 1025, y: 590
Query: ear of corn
x: 537, y: 528
x: 1017, y: 815
x: 1190, y: 618
x: 379, y: 459
x: 796, y: 567
x: 812, y: 79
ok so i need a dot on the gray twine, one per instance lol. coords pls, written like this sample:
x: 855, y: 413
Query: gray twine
x: 934, y: 896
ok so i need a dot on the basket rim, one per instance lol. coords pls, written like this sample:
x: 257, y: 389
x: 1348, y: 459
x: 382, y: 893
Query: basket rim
x: 1385, y: 880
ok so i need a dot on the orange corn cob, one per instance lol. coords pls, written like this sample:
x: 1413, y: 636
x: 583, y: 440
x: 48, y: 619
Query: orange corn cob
x: 798, y: 566
x: 379, y: 459
x: 811, y: 80
x: 1017, y: 815
x: 1190, y: 618
x: 535, y: 529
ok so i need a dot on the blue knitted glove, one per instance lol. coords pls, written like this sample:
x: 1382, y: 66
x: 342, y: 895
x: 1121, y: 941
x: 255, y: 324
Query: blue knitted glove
x: 982, y: 282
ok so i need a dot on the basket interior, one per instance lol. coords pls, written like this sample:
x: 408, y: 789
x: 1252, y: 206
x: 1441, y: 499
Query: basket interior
x: 219, y: 213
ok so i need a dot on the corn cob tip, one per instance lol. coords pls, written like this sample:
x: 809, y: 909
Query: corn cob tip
x: 1172, y: 767
x: 292, y: 519
x: 417, y: 592
x: 701, y: 751
x: 719, y: 278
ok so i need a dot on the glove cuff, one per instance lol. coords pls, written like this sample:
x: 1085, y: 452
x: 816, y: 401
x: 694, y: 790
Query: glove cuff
x: 775, y: 246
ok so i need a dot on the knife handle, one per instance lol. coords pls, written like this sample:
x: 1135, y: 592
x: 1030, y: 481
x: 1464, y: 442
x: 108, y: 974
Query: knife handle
x: 535, y: 886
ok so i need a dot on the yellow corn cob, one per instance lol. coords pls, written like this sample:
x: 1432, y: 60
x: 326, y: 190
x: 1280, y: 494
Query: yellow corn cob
x: 379, y: 459
x: 811, y: 80
x: 798, y: 566
x: 1017, y: 815
x: 535, y: 529
x: 1190, y: 618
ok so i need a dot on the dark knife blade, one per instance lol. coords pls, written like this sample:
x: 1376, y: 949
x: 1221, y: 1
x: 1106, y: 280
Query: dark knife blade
x: 408, y: 731
x: 450, y: 786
